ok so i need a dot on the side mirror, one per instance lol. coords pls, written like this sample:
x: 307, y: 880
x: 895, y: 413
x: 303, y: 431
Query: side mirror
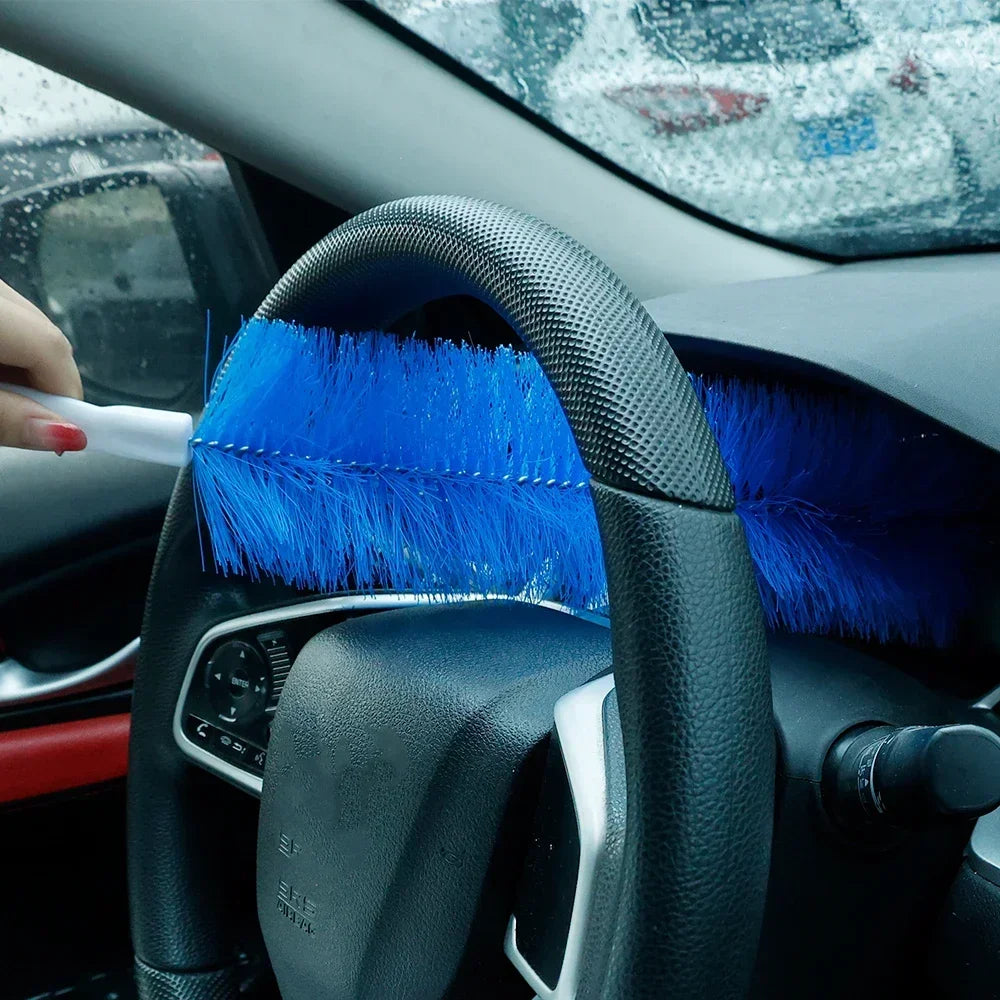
x: 129, y: 262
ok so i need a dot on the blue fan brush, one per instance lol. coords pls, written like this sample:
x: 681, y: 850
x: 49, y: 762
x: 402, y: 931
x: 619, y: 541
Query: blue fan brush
x: 394, y: 464
x: 369, y: 462
x: 372, y: 462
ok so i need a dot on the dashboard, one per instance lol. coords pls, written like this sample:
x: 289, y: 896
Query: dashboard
x: 921, y: 331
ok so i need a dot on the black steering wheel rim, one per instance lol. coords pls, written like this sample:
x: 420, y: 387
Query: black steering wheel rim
x: 687, y: 632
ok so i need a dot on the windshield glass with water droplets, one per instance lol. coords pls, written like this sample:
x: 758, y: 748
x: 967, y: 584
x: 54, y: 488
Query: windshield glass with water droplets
x: 845, y: 127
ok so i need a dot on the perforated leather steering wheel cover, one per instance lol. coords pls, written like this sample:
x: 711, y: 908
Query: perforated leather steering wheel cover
x: 629, y: 402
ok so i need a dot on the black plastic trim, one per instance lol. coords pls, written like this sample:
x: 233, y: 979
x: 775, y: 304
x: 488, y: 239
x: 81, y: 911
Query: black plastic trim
x: 91, y: 706
x: 547, y: 890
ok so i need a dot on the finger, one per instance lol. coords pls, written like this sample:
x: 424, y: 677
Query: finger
x: 30, y: 342
x: 15, y: 376
x: 13, y: 295
x: 27, y: 424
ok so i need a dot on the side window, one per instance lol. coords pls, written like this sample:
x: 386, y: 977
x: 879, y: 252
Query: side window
x: 129, y: 234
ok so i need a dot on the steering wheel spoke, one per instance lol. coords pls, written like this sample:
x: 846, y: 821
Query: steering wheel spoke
x: 563, y: 917
x: 236, y: 674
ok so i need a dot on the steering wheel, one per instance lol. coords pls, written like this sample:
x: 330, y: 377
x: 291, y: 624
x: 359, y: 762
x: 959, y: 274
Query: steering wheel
x: 374, y: 877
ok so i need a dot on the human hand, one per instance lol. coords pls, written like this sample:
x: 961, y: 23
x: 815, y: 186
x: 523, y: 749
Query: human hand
x: 34, y: 352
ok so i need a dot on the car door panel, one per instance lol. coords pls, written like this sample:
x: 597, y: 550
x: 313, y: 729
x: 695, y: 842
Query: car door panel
x: 133, y: 238
x: 43, y: 760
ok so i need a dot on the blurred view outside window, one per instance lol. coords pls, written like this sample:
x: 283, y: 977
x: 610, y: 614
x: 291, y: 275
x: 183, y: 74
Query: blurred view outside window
x: 126, y: 232
x: 848, y: 127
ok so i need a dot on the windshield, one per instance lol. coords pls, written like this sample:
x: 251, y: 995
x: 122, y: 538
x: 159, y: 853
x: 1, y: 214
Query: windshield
x: 844, y: 127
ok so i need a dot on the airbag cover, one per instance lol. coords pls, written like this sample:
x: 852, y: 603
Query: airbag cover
x: 401, y: 781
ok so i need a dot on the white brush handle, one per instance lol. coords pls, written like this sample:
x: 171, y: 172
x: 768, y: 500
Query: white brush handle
x: 160, y: 436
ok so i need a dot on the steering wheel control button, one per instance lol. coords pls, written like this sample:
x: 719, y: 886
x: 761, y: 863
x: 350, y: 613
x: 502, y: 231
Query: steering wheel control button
x: 199, y: 731
x: 227, y: 746
x: 239, y: 751
x: 232, y: 747
x: 906, y: 777
x: 238, y: 683
x: 276, y: 649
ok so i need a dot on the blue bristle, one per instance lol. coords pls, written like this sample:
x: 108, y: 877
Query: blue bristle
x: 370, y: 462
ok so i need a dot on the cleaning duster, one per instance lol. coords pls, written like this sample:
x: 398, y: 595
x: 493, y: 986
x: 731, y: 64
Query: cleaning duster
x: 399, y: 464
x: 367, y: 462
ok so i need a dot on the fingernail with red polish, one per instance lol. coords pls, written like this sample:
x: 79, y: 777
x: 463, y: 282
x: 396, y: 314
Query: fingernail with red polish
x: 51, y: 435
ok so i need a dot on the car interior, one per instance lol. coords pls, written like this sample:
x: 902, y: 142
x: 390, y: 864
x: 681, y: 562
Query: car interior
x: 698, y: 696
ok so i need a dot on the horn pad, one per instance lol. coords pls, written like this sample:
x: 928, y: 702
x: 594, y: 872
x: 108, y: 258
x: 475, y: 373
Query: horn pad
x: 402, y: 777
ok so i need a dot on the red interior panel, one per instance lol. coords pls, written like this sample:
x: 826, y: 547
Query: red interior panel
x: 56, y: 758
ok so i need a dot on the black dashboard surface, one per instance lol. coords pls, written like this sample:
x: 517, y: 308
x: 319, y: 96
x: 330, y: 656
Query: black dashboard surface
x: 925, y: 331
